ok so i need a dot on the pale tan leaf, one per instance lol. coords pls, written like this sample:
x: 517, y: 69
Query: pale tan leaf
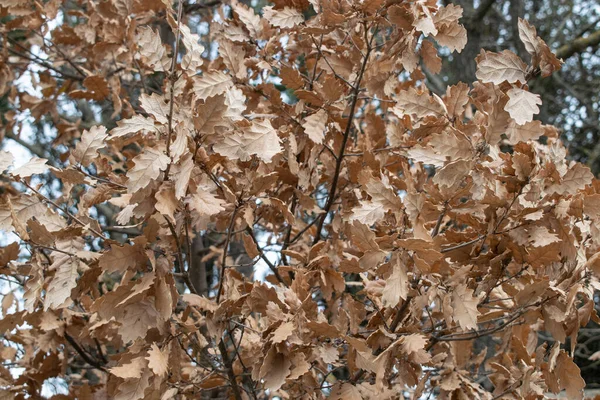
x: 166, y: 202
x: 447, y: 14
x: 522, y: 133
x: 411, y: 102
x: 283, y: 332
x: 248, y: 18
x: 499, y: 67
x: 180, y: 174
x: 135, y: 124
x: 91, y: 141
x: 259, y: 139
x: 148, y: 166
x: 452, y: 35
x: 193, y: 55
x: 24, y: 208
x: 133, y: 389
x: 541, y: 55
x: 236, y: 104
x: 211, y: 84
x: 576, y: 178
x: 138, y: 319
x: 314, y: 126
x: 151, y: 49
x: 539, y: 236
x: 205, y: 203
x: 158, y: 361
x: 425, y: 24
x: 396, y: 286
x: 427, y: 155
x: 368, y: 212
x: 6, y: 160
x: 287, y: 17
x: 456, y: 99
x: 414, y: 345
x: 32, y: 167
x: 465, y: 307
x: 133, y: 369
x: 233, y: 56
x: 451, y: 146
x: 452, y: 173
x: 66, y: 273
x: 155, y: 105
x: 522, y: 105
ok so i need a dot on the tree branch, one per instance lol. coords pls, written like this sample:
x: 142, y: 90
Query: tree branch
x: 578, y: 45
x: 83, y: 354
x: 340, y: 158
x: 481, y: 11
x: 34, y: 149
x: 229, y: 366
x: 224, y: 259
x: 272, y: 267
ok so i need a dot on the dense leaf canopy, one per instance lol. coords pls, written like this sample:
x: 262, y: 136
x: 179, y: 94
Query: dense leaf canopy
x: 412, y: 243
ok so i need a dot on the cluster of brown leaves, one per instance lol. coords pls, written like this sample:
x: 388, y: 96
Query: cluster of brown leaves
x: 402, y: 229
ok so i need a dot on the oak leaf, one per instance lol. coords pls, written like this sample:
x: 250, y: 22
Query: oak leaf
x: 6, y: 160
x: 314, y: 126
x: 206, y: 203
x: 158, y: 362
x: 411, y: 102
x: 287, y: 17
x: 465, y: 307
x: 151, y: 50
x: 135, y: 124
x: 275, y: 369
x: 499, y: 67
x: 259, y: 139
x: 32, y: 167
x: 211, y: 84
x: 541, y: 55
x: 157, y: 106
x: 452, y: 35
x: 133, y: 369
x: 147, y: 168
x: 522, y: 105
x: 248, y: 17
x: 576, y: 178
x: 193, y: 56
x: 396, y: 286
x: 134, y: 389
x: 91, y: 141
x: 66, y: 266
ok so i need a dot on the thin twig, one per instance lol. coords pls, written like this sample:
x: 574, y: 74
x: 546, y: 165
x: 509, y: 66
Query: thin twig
x: 262, y: 255
x: 172, y: 89
x: 86, y: 226
x: 340, y: 158
x: 229, y: 366
x: 83, y: 354
x: 224, y: 258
